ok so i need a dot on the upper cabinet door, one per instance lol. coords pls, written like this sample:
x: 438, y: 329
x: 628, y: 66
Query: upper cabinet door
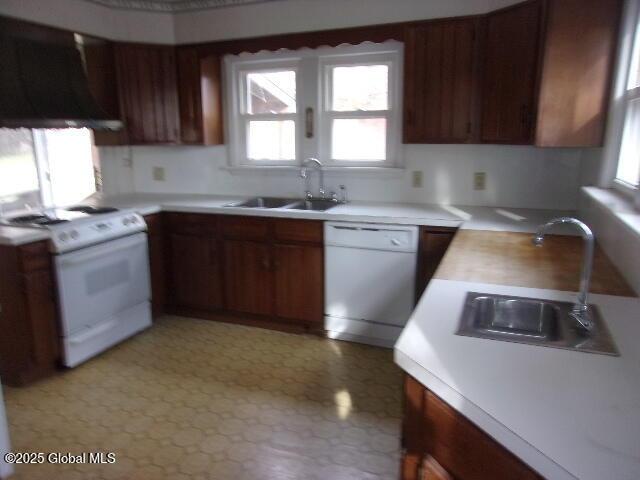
x: 439, y: 82
x: 147, y: 89
x: 200, y: 95
x: 512, y: 38
x: 579, y: 54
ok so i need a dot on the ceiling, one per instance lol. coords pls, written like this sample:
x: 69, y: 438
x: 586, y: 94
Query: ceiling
x: 171, y: 6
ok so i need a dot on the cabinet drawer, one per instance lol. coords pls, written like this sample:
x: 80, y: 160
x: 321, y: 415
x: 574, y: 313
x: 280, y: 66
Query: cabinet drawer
x: 290, y: 230
x: 34, y: 256
x: 247, y: 228
x: 192, y: 223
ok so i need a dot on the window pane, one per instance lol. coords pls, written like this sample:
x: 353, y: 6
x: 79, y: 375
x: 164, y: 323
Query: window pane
x: 71, y: 169
x: 272, y: 140
x: 359, y: 139
x: 629, y: 164
x: 271, y: 92
x: 360, y: 88
x: 19, y: 186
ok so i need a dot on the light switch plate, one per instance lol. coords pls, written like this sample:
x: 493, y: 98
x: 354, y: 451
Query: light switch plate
x: 416, y: 178
x: 479, y: 180
x: 158, y: 174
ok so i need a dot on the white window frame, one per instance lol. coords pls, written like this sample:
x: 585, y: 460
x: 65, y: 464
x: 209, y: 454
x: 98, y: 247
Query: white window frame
x: 312, y: 68
x: 628, y: 56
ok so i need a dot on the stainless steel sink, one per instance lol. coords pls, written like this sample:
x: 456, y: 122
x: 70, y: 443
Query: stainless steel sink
x: 317, y: 205
x: 263, y: 202
x: 529, y: 320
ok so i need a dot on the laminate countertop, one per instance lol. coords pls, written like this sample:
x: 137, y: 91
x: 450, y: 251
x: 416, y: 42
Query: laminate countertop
x: 482, y: 218
x: 566, y: 414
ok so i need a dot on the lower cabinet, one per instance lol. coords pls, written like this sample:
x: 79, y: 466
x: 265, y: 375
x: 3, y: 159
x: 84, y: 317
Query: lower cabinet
x: 299, y: 282
x: 29, y: 347
x: 195, y: 265
x: 434, y: 242
x: 254, y: 268
x: 156, y: 263
x: 248, y: 277
x: 440, y: 443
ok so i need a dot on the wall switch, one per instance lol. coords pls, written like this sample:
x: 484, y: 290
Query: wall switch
x: 416, y: 178
x: 127, y: 162
x: 479, y: 180
x: 158, y: 174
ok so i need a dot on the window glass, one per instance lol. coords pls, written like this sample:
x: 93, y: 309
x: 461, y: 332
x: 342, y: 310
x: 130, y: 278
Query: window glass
x: 272, y: 140
x: 47, y: 168
x: 19, y: 186
x: 359, y: 139
x: 71, y: 169
x: 271, y: 92
x: 364, y: 88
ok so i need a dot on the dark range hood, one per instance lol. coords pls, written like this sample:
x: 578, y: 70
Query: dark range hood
x: 43, y: 83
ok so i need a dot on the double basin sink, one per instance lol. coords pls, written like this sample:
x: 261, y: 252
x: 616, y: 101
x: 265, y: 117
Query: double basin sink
x: 318, y: 205
x: 537, y: 322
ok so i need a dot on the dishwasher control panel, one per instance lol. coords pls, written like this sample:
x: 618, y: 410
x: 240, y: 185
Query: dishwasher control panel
x: 397, y: 238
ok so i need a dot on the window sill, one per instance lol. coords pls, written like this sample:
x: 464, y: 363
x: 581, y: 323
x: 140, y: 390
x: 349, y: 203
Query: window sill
x: 616, y: 204
x: 394, y: 172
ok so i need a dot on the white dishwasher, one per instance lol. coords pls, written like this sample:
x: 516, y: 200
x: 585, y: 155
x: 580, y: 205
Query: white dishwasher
x: 370, y: 273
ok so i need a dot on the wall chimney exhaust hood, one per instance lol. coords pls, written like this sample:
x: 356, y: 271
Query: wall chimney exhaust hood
x: 43, y: 83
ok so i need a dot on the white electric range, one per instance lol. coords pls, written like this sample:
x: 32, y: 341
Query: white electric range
x: 102, y: 271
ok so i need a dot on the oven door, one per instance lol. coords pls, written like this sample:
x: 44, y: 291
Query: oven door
x: 98, y: 282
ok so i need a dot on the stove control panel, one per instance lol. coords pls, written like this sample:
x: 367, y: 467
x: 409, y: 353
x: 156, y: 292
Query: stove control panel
x: 81, y: 233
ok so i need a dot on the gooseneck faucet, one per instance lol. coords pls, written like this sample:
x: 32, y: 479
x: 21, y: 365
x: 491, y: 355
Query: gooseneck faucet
x: 305, y: 174
x: 580, y: 312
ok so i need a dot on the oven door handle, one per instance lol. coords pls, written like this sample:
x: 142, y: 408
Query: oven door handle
x: 94, y: 332
x: 108, y: 248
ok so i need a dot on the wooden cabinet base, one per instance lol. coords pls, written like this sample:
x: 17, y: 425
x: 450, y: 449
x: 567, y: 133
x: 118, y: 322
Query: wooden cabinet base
x: 440, y: 443
x: 250, y: 320
x: 29, y: 348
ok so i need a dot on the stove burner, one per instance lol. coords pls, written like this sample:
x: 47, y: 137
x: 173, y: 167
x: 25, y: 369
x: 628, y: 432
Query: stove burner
x: 29, y: 218
x: 88, y: 209
x: 36, y: 219
x: 51, y: 221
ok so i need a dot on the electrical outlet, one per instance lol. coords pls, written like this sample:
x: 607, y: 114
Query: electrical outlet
x: 158, y: 174
x: 416, y: 178
x: 479, y: 180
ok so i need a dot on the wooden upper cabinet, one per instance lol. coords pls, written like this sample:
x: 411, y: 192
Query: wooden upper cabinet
x: 147, y: 90
x: 440, y: 81
x: 578, y: 60
x: 511, y: 40
x: 200, y: 97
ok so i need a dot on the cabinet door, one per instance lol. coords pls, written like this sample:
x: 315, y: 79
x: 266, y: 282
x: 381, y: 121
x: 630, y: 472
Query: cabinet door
x: 439, y: 81
x: 434, y: 243
x: 510, y: 74
x: 248, y: 277
x: 148, y: 92
x: 200, y: 97
x: 299, y: 282
x: 196, y: 272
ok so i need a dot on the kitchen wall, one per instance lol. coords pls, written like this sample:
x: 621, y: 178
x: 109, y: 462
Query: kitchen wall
x: 516, y: 176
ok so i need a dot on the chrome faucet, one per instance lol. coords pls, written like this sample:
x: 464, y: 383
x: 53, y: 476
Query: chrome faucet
x: 305, y: 174
x: 580, y: 312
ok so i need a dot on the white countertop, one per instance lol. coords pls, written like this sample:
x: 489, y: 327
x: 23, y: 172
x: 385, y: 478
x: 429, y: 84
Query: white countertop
x: 566, y: 414
x: 478, y: 218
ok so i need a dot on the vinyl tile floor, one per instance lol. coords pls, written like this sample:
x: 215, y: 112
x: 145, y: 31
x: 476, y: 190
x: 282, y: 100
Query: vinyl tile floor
x: 195, y: 399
